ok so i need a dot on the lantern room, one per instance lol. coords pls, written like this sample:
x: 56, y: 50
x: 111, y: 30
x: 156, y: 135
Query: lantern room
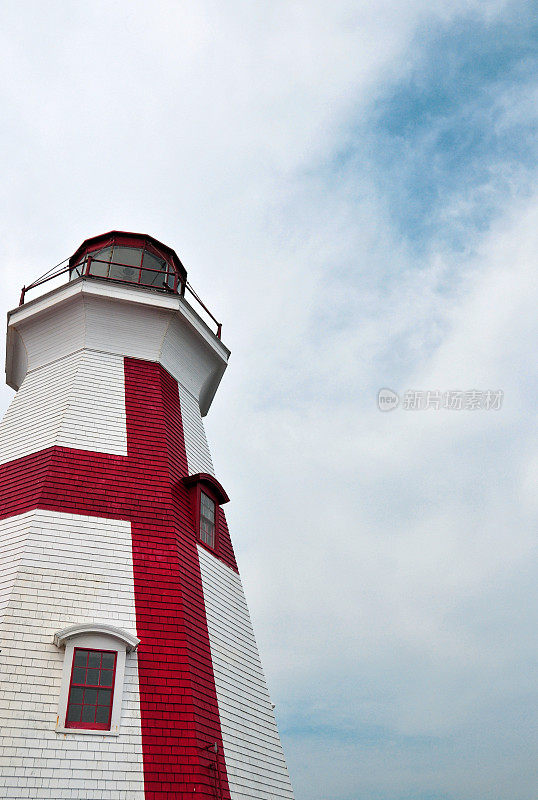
x: 133, y: 258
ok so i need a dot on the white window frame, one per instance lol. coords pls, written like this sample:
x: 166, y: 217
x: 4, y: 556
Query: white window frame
x: 93, y: 636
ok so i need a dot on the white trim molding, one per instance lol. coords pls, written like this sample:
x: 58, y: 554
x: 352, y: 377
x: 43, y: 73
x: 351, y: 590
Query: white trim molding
x: 62, y: 637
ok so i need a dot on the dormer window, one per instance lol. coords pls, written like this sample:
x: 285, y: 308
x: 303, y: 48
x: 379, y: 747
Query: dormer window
x: 206, y: 496
x: 207, y: 520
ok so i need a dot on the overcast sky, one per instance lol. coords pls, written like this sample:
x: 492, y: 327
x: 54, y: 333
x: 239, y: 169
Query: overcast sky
x: 352, y: 188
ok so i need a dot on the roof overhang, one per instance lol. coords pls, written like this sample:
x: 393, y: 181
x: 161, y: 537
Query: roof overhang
x: 179, y: 333
x: 208, y: 480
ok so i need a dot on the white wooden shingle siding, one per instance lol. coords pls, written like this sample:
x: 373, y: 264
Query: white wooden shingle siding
x: 75, y: 401
x: 254, y: 757
x: 184, y: 357
x: 196, y: 447
x: 14, y: 533
x: 74, y: 569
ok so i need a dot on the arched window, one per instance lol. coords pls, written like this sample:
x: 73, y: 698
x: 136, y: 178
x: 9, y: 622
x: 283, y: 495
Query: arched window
x: 92, y: 678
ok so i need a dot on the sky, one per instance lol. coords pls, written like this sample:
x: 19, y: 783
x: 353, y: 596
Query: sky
x: 352, y: 188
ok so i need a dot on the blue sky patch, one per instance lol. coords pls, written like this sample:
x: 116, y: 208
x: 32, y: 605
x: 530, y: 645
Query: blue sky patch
x: 444, y: 143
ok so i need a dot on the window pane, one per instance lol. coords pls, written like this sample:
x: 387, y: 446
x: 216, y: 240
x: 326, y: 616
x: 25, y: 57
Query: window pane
x: 88, y: 714
x: 103, y: 714
x: 73, y: 715
x: 79, y: 675
x: 100, y: 259
x: 150, y: 278
x: 106, y: 677
x: 90, y: 697
x: 104, y: 697
x: 129, y: 256
x: 93, y: 677
x: 207, y: 532
x: 77, y: 270
x: 208, y: 540
x: 77, y: 693
x: 94, y: 659
x: 108, y: 660
x: 207, y: 507
x: 120, y: 273
x: 81, y: 657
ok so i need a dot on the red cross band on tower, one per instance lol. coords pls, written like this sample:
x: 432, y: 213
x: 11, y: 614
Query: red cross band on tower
x: 178, y: 703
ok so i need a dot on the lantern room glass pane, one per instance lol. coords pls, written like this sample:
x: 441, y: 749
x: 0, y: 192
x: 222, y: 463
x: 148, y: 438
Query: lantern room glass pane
x: 99, y: 265
x: 155, y: 272
x: 125, y: 264
x: 130, y: 256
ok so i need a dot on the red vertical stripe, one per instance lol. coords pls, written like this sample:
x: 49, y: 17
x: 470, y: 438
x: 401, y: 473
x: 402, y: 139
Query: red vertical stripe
x: 178, y: 698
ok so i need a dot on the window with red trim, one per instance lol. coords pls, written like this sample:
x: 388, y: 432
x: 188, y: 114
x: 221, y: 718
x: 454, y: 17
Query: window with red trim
x: 207, y: 496
x: 91, y: 689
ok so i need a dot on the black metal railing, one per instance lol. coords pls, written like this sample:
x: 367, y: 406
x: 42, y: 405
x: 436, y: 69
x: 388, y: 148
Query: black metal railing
x: 83, y: 270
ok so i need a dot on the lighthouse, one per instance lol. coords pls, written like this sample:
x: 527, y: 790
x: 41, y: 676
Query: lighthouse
x: 128, y: 664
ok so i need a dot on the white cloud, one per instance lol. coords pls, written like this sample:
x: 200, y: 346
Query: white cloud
x: 386, y: 533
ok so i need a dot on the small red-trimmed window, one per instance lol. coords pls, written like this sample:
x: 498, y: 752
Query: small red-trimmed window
x: 207, y: 520
x: 91, y: 689
x: 206, y: 496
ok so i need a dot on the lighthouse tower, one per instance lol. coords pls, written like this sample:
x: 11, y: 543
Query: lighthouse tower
x: 128, y: 665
